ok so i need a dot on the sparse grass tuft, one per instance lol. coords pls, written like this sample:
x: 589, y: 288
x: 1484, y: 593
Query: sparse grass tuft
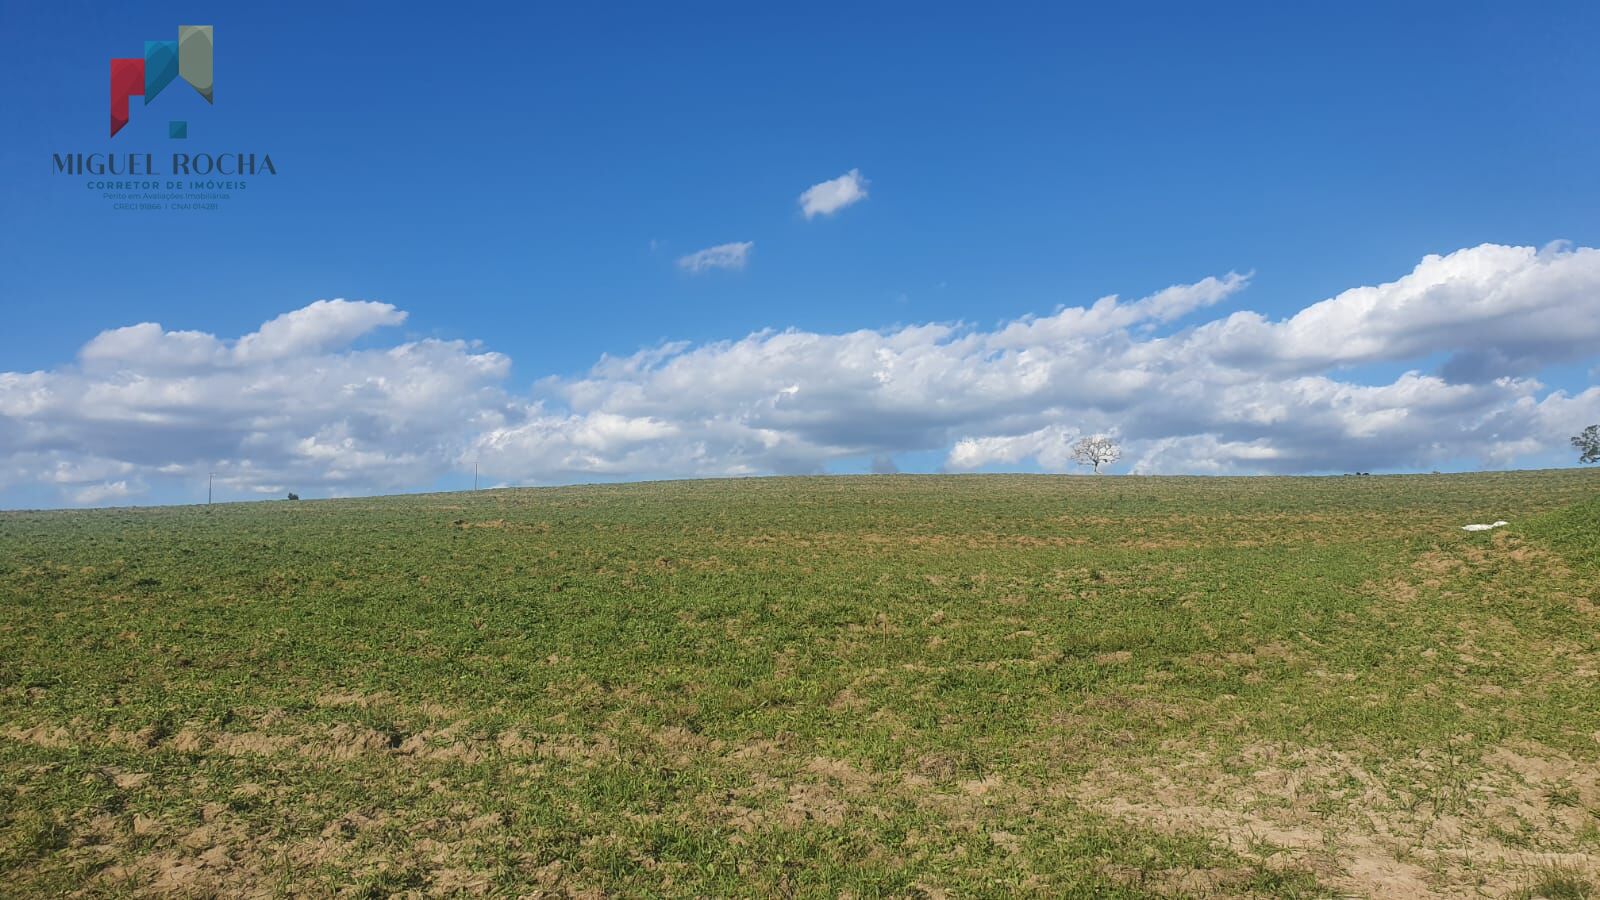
x: 1558, y: 884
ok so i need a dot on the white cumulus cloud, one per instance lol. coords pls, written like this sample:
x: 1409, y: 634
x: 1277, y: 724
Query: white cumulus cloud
x: 290, y: 406
x: 828, y: 197
x: 103, y: 493
x: 1496, y: 310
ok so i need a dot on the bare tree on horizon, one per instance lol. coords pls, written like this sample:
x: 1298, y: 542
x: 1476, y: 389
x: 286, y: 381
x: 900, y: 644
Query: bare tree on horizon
x: 1096, y: 451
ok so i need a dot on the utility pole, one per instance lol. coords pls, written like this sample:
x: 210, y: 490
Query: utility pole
x: 474, y: 476
x: 209, y: 476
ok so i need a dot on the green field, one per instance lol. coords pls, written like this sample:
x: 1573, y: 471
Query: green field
x: 866, y: 686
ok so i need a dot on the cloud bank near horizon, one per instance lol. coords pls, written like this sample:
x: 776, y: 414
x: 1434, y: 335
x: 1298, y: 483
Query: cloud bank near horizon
x: 297, y: 406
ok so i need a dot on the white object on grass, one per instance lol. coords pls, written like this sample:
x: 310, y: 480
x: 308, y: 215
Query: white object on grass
x: 1497, y: 524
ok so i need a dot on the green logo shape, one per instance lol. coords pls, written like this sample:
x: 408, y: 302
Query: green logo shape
x: 194, y: 57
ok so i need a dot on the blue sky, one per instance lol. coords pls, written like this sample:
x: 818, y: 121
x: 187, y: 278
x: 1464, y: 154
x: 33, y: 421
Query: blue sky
x: 527, y: 183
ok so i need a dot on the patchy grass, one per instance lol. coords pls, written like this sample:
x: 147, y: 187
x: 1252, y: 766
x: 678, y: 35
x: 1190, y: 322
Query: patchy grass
x: 870, y: 686
x: 1559, y: 885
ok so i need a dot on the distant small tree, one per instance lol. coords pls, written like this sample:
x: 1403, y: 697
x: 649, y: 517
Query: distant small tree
x: 294, y: 496
x: 1588, y: 443
x: 1096, y: 451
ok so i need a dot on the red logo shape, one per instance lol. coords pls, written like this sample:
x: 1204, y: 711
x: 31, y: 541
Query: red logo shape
x: 127, y: 80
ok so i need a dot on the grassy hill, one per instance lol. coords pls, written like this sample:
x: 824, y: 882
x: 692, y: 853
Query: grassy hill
x: 867, y: 686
